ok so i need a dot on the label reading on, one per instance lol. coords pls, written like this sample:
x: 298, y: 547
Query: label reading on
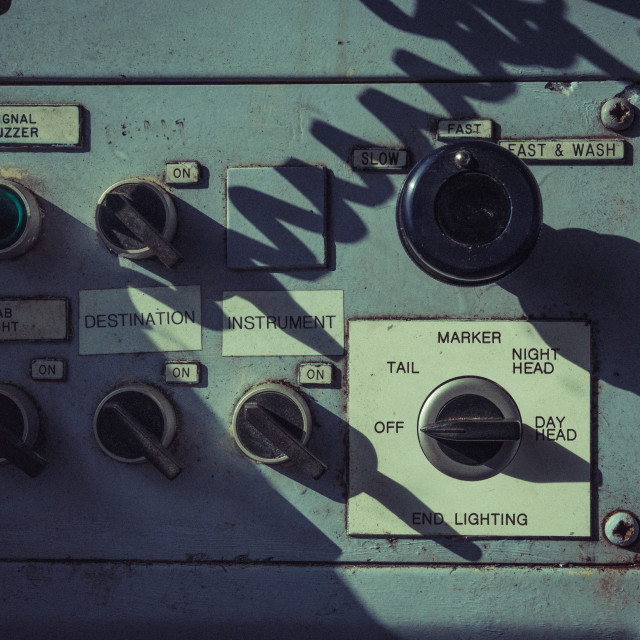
x: 282, y: 323
x: 40, y: 125
x: 567, y: 149
x: 182, y: 172
x: 449, y: 129
x: 33, y: 319
x: 182, y: 373
x: 312, y: 373
x: 140, y: 320
x: 375, y: 159
x: 48, y: 369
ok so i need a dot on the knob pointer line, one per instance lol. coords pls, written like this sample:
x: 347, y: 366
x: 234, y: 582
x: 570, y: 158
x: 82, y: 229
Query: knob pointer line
x: 474, y: 430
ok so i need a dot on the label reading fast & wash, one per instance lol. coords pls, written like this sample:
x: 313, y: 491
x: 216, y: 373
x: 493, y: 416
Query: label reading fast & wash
x: 140, y: 320
x: 282, y: 323
x: 575, y: 150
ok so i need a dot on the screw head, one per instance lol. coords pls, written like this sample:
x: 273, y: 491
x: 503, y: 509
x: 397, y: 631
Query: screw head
x: 621, y: 528
x: 617, y: 114
x: 463, y: 159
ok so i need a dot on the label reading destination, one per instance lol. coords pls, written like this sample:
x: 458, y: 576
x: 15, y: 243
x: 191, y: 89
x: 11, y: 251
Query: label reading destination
x: 372, y: 159
x: 449, y: 129
x: 42, y: 125
x: 567, y: 149
x: 282, y: 323
x: 140, y: 320
x: 33, y: 319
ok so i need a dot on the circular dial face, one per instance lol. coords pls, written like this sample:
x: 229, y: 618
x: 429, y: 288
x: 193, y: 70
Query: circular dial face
x: 133, y: 215
x: 469, y: 428
x: 147, y: 406
x: 283, y: 405
x: 469, y: 213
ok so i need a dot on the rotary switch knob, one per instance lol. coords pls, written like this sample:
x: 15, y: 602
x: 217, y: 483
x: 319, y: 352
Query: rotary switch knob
x: 470, y: 428
x: 19, y: 430
x: 137, y: 219
x: 272, y: 424
x: 469, y: 213
x: 135, y: 423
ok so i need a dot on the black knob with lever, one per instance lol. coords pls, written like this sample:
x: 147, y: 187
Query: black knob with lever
x: 19, y: 427
x: 469, y: 428
x: 137, y: 219
x: 137, y: 423
x: 272, y: 424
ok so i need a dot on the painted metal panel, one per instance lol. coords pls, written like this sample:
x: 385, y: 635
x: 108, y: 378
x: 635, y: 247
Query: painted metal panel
x: 265, y: 601
x: 215, y: 507
x: 229, y: 39
x: 96, y: 548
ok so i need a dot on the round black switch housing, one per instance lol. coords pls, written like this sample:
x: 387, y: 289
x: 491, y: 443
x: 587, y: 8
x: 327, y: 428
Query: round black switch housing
x: 137, y: 219
x: 469, y: 213
x: 469, y: 428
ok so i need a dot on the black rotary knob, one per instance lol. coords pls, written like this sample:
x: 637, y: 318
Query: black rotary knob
x: 272, y: 424
x: 135, y: 423
x: 137, y: 219
x: 469, y: 213
x: 470, y: 428
x: 19, y: 426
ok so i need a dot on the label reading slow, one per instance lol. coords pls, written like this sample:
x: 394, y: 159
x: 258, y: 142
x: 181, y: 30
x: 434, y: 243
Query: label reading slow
x: 378, y: 159
x: 567, y: 149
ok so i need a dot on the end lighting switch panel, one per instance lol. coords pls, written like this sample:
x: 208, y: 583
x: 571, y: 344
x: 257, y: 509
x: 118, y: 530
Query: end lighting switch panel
x: 474, y: 428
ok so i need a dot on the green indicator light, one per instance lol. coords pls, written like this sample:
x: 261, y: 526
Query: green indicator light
x: 13, y: 217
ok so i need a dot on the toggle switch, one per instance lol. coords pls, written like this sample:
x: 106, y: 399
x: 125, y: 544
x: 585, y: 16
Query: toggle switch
x: 20, y: 219
x: 137, y: 219
x: 470, y: 428
x: 469, y: 213
x: 135, y: 423
x: 272, y: 424
x: 19, y: 426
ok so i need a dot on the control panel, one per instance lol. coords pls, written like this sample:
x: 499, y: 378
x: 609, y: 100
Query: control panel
x: 281, y: 310
x: 312, y: 329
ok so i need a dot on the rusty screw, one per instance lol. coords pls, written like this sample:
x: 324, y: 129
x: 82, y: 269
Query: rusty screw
x: 617, y: 114
x: 621, y: 528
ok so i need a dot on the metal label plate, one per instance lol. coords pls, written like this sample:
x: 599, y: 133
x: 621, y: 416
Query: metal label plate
x: 595, y: 150
x: 393, y: 367
x: 39, y: 125
x: 283, y: 323
x: 33, y: 319
x: 455, y: 129
x: 140, y: 320
x: 379, y: 159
